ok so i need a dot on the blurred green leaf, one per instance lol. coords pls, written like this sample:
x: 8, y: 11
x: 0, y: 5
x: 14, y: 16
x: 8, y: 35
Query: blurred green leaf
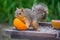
x: 8, y: 7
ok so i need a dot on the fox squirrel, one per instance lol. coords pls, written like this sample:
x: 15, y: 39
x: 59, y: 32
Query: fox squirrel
x: 38, y: 11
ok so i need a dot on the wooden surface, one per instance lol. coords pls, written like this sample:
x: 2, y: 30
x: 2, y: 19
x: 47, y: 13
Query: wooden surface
x: 46, y: 32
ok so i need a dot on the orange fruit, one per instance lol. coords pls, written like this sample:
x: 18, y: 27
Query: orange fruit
x: 19, y: 24
x: 56, y: 24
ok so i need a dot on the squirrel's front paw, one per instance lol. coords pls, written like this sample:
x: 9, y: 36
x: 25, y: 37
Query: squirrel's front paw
x: 37, y: 29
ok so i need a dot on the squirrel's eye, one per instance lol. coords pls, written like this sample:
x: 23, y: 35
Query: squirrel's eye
x: 19, y: 13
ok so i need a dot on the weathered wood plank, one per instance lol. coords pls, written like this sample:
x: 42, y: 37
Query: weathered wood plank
x: 44, y: 33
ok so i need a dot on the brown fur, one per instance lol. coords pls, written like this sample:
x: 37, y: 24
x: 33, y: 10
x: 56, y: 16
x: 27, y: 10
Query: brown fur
x: 38, y: 11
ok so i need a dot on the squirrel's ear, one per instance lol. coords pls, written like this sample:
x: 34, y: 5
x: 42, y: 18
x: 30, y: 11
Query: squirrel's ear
x: 22, y: 10
x: 16, y: 8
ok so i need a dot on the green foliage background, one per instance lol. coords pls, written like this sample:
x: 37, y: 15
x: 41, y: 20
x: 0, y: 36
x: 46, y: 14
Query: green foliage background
x: 8, y: 7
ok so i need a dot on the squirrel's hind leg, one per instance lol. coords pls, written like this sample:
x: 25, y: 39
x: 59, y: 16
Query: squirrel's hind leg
x: 35, y: 25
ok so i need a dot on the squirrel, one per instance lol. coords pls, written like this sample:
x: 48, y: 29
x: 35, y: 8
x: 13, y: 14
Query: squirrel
x: 39, y: 11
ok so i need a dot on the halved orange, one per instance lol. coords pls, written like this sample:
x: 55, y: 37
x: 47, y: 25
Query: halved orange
x: 19, y: 24
x: 56, y: 24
